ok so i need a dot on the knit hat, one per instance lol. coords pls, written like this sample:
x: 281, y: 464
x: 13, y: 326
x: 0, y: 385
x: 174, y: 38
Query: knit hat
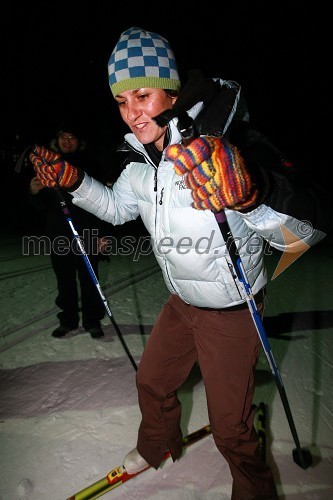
x: 142, y: 59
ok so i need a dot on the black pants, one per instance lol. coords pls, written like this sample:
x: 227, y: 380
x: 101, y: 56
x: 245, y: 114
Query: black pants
x: 71, y: 270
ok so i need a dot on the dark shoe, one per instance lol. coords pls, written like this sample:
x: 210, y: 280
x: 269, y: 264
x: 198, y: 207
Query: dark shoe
x: 96, y: 332
x: 61, y: 331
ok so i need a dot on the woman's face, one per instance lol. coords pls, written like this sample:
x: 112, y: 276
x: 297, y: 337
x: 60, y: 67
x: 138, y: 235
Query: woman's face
x: 138, y: 108
x: 68, y: 143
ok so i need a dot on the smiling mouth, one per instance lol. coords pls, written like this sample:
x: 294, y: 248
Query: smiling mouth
x: 140, y: 126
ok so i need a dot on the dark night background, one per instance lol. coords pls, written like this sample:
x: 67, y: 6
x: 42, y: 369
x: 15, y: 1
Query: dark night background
x: 56, y: 56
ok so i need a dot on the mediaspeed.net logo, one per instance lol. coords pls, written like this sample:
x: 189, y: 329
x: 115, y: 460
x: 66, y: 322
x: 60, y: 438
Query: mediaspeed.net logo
x: 296, y: 246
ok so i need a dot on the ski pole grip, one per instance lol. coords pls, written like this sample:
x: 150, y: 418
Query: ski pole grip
x: 186, y: 128
x: 220, y: 217
x: 188, y: 133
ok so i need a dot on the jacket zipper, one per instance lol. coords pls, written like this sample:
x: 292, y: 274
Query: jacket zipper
x: 155, y: 179
x: 161, y: 197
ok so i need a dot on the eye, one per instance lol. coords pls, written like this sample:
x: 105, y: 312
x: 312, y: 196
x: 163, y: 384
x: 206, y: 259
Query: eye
x: 121, y: 103
x: 143, y: 96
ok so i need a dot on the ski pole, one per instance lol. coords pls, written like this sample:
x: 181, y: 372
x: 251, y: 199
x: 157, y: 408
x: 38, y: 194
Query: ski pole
x: 92, y: 273
x: 301, y: 456
x: 66, y: 212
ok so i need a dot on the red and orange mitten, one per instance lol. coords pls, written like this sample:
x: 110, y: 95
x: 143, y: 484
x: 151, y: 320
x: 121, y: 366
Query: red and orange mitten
x: 52, y: 170
x: 216, y: 174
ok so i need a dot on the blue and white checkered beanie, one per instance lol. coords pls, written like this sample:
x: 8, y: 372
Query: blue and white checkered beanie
x: 142, y: 59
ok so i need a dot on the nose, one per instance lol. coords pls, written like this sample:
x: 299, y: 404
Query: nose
x: 133, y: 112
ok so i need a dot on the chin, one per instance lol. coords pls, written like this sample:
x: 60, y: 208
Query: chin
x: 143, y: 140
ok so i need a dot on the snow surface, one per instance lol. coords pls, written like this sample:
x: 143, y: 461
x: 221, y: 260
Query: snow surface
x: 68, y: 407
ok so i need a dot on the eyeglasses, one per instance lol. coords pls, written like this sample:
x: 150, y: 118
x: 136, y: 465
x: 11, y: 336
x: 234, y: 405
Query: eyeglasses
x: 68, y: 137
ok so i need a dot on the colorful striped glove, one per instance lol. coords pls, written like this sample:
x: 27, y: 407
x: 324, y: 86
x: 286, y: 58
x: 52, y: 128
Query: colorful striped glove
x: 216, y: 174
x: 52, y: 170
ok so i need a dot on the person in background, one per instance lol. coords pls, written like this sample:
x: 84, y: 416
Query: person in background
x: 76, y: 289
x: 177, y: 190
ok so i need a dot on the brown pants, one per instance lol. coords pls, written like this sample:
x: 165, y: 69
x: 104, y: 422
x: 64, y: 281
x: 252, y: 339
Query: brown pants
x: 227, y: 346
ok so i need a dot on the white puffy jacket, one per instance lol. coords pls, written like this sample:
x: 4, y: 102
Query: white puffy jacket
x: 187, y: 243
